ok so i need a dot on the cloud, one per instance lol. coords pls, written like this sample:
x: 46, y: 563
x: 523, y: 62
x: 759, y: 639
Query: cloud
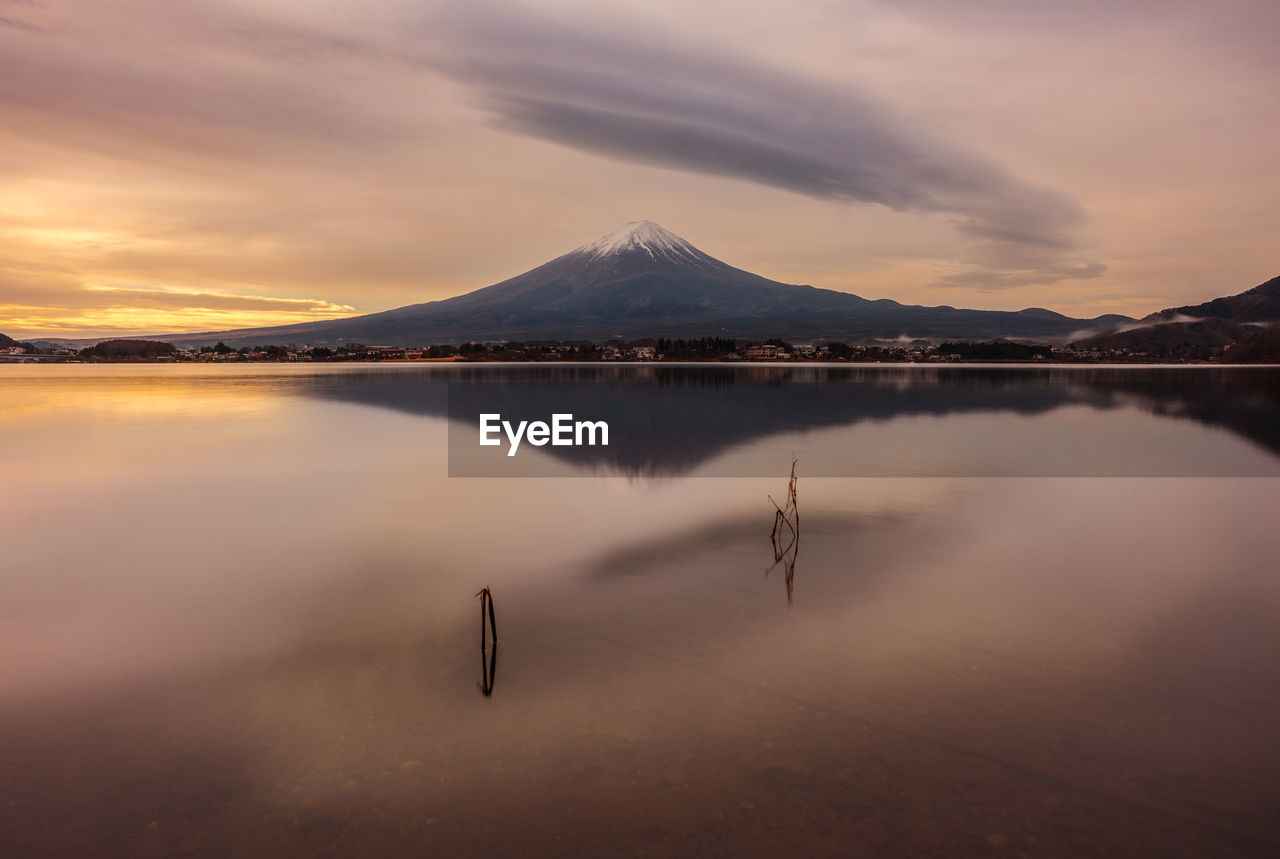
x: 686, y: 108
x: 19, y: 24
x: 993, y: 278
x: 1157, y: 319
x: 196, y: 88
x: 167, y: 297
x: 63, y: 309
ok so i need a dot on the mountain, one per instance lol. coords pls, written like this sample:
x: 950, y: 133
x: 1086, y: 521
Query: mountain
x: 1260, y: 304
x: 1205, y: 330
x: 1195, y: 340
x: 1260, y: 347
x: 7, y: 342
x: 644, y: 281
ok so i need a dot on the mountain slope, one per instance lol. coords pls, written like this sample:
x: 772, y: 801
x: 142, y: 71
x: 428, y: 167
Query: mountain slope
x: 1200, y: 339
x: 1260, y: 347
x: 1199, y: 330
x: 644, y: 281
x: 1260, y: 304
x: 7, y: 342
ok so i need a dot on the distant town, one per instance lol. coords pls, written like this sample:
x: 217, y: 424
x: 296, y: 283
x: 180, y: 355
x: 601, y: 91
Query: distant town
x: 660, y: 349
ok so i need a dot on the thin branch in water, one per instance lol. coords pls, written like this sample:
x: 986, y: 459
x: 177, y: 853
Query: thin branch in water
x: 488, y: 658
x: 789, y: 515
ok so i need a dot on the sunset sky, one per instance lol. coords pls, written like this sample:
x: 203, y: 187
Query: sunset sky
x: 185, y: 166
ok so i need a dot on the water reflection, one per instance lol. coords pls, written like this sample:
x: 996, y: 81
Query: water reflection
x: 235, y: 629
x: 673, y: 420
x: 1019, y: 421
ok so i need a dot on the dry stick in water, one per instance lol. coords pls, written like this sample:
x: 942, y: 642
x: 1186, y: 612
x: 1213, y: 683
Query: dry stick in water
x: 790, y: 516
x: 487, y: 686
x: 493, y: 625
x: 489, y: 667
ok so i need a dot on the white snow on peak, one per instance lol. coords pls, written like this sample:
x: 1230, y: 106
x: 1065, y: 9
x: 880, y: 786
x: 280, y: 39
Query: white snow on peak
x: 640, y: 235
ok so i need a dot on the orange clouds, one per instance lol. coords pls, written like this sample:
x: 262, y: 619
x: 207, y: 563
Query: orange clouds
x: 113, y: 310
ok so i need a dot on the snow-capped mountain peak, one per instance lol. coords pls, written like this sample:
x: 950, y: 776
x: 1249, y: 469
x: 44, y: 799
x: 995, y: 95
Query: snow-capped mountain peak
x: 641, y: 236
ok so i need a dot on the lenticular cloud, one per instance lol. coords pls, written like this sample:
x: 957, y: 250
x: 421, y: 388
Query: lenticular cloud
x: 685, y: 109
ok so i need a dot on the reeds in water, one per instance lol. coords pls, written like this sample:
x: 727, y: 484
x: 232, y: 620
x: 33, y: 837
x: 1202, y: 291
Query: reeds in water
x: 785, y: 535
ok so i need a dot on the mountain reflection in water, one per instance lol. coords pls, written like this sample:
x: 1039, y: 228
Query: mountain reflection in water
x: 684, y: 419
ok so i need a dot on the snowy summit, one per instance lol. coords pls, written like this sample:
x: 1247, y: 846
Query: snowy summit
x: 641, y: 236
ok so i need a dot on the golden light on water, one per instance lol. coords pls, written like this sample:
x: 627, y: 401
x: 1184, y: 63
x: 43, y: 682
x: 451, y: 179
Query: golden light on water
x: 149, y: 397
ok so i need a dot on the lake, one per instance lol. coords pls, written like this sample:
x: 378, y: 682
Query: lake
x: 1033, y: 611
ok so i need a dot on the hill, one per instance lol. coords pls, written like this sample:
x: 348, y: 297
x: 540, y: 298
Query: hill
x: 7, y: 342
x: 1260, y: 304
x: 1261, y: 347
x: 1183, y: 341
x: 1201, y: 331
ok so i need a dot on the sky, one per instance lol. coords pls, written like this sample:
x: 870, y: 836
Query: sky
x: 212, y: 164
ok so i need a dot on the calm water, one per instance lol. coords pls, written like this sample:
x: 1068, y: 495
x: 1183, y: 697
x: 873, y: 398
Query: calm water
x: 237, y: 615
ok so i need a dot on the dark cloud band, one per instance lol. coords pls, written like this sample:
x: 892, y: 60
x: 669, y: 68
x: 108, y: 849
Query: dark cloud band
x: 690, y: 110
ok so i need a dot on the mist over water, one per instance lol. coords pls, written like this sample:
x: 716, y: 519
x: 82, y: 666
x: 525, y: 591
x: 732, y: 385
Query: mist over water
x: 237, y: 616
